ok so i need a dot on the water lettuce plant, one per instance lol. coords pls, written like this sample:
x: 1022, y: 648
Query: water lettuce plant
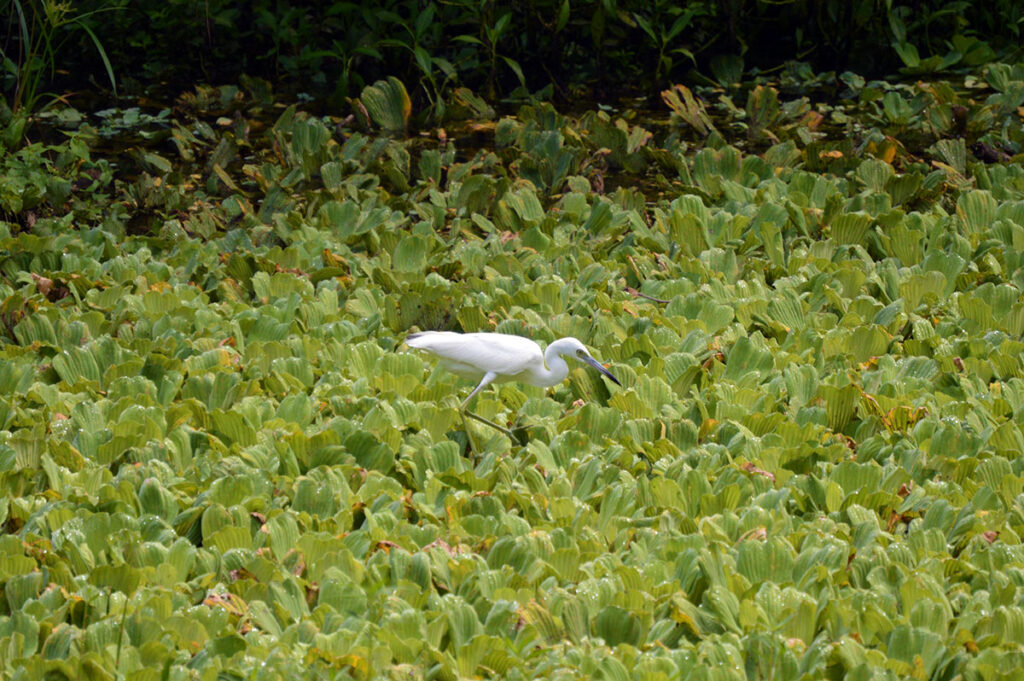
x: 218, y: 460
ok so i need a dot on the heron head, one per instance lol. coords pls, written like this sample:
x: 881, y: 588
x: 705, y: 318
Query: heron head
x: 577, y: 350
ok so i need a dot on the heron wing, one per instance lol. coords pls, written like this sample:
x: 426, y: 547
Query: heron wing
x: 474, y: 354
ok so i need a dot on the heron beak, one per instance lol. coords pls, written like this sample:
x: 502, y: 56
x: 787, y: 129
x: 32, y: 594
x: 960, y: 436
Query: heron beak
x: 597, y: 365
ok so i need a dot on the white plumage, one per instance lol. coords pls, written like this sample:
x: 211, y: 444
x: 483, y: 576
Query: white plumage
x: 500, y: 357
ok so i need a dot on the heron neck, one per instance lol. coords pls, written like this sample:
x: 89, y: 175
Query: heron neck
x: 556, y: 370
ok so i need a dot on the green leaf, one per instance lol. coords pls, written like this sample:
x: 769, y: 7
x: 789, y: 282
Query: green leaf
x: 976, y: 210
x: 463, y: 623
x: 411, y: 253
x: 850, y: 228
x: 525, y: 205
x: 761, y: 561
x: 77, y: 364
x: 908, y: 54
x: 228, y: 538
x: 121, y: 578
x: 388, y: 104
x: 840, y: 404
x: 953, y: 152
x: 747, y: 360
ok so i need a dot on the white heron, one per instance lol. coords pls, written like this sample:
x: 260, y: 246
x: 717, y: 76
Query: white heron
x: 498, y: 358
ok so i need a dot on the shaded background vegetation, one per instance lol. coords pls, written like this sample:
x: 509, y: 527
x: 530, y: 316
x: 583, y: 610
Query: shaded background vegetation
x: 563, y: 49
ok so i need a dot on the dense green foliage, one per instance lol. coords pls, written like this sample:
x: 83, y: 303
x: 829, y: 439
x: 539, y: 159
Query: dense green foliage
x: 218, y: 461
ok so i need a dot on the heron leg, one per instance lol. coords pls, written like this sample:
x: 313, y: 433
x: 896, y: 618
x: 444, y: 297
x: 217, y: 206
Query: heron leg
x: 484, y: 382
x: 492, y: 424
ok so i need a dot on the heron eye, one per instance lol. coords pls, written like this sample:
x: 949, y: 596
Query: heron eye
x: 581, y: 353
